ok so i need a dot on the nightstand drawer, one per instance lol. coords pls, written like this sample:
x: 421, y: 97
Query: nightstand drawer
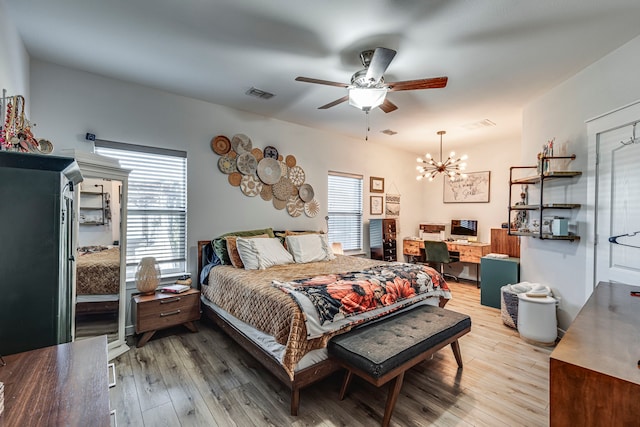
x: 165, y: 310
x: 412, y: 247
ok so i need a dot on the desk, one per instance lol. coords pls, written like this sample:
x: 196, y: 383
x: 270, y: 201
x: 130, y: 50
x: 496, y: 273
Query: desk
x: 469, y: 252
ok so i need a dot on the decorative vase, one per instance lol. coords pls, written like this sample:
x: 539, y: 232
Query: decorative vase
x: 147, y: 276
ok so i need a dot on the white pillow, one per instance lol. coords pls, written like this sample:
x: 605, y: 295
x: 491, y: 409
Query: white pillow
x: 258, y: 255
x: 309, y: 248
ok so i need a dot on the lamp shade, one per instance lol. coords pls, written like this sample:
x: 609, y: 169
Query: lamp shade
x: 367, y: 98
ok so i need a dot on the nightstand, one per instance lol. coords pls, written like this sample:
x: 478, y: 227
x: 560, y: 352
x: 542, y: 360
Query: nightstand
x: 163, y: 310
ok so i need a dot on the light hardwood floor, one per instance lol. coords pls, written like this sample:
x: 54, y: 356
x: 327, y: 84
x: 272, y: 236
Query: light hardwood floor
x: 191, y: 379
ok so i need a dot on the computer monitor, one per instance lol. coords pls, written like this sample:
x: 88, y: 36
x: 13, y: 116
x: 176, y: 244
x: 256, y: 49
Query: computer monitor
x: 464, y: 228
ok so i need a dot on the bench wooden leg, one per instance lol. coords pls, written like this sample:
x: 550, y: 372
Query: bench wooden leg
x: 345, y: 384
x: 394, y: 391
x: 455, y: 346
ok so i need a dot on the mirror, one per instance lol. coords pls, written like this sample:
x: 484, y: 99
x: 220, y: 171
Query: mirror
x: 100, y: 240
x: 98, y: 258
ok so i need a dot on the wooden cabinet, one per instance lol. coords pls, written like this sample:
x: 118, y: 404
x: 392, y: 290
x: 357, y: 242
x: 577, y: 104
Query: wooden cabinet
x: 382, y: 239
x: 163, y: 310
x: 540, y: 179
x: 37, y: 261
x: 414, y: 248
x: 594, y: 375
x: 63, y: 385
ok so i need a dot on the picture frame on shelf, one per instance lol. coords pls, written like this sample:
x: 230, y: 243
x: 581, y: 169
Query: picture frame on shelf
x: 376, y: 184
x: 376, y: 205
x: 474, y: 188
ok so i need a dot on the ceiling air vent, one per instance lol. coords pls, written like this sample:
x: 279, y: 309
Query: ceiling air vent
x: 388, y: 132
x: 486, y: 123
x: 257, y: 93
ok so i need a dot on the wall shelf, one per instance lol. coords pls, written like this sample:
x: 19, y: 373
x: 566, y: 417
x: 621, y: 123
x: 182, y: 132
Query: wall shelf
x: 89, y: 201
x: 541, y: 206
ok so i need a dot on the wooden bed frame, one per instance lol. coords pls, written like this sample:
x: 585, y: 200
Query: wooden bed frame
x: 301, y: 379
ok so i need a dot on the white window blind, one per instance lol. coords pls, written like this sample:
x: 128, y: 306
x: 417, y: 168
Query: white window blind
x: 157, y: 205
x: 345, y: 210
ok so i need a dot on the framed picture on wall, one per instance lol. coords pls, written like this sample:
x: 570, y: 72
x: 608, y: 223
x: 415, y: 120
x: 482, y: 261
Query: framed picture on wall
x: 376, y: 184
x: 375, y: 205
x: 473, y: 189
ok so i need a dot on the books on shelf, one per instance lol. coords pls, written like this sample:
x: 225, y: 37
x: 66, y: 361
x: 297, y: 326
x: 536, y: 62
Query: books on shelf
x: 175, y: 289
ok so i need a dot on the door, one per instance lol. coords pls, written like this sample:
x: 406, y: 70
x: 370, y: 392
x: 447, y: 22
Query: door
x: 618, y: 206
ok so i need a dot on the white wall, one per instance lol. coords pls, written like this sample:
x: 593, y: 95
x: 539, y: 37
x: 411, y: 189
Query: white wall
x: 14, y: 65
x: 68, y: 103
x: 607, y: 84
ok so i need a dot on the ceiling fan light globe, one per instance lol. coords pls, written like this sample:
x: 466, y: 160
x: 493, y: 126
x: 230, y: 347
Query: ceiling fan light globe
x: 367, y: 98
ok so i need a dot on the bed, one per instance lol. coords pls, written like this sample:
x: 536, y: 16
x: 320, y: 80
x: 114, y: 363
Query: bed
x: 97, y: 279
x: 256, y: 309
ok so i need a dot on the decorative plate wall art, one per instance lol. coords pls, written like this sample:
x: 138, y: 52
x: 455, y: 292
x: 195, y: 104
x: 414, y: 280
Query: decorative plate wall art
x: 250, y: 185
x: 296, y: 175
x: 266, y: 172
x: 269, y: 170
x: 240, y: 143
x: 295, y: 206
x: 247, y: 164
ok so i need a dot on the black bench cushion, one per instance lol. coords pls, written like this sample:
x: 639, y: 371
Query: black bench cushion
x: 386, y: 344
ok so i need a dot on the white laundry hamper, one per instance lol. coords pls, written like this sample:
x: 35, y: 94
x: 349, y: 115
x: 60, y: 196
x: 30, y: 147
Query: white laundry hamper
x: 537, y: 321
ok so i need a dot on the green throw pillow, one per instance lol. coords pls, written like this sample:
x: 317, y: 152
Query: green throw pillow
x: 220, y: 244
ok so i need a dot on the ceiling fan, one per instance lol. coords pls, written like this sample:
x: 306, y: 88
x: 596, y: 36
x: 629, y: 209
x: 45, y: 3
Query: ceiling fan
x: 368, y: 89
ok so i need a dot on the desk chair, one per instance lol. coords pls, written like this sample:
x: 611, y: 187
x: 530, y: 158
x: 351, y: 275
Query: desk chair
x: 438, y: 253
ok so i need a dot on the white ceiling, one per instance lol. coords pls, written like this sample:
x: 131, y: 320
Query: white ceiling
x: 498, y: 54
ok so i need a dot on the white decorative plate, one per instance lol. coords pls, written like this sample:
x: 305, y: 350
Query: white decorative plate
x: 240, y: 143
x: 227, y: 164
x: 295, y: 206
x: 312, y: 208
x: 269, y: 170
x: 296, y: 175
x: 247, y: 163
x: 250, y: 185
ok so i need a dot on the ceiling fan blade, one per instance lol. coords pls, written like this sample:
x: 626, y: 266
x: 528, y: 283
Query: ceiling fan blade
x: 434, y: 83
x: 334, y: 103
x: 388, y: 106
x: 320, y: 82
x: 380, y: 61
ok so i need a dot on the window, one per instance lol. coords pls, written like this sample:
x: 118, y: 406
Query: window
x: 157, y: 205
x: 345, y: 210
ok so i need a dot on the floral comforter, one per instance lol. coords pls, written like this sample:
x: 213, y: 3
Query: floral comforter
x: 335, y: 301
x: 250, y: 296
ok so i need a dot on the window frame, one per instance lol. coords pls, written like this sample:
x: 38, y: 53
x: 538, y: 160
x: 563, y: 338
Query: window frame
x: 356, y: 213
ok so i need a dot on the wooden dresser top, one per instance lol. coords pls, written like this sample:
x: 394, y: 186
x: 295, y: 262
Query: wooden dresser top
x: 605, y: 336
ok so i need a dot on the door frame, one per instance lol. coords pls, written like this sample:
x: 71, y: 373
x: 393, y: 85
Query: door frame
x: 622, y: 116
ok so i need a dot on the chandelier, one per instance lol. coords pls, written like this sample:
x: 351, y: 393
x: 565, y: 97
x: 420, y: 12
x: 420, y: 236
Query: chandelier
x: 452, y: 167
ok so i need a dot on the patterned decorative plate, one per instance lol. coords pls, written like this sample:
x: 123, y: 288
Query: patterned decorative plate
x: 240, y: 143
x: 296, y: 175
x: 306, y: 192
x: 220, y: 145
x: 235, y: 178
x: 282, y: 189
x: 279, y: 204
x: 257, y: 153
x: 227, y: 164
x: 290, y: 160
x: 285, y: 169
x: 312, y: 208
x: 232, y: 154
x: 250, y: 185
x: 295, y: 206
x: 247, y: 164
x: 266, y: 193
x: 269, y: 170
x: 270, y: 152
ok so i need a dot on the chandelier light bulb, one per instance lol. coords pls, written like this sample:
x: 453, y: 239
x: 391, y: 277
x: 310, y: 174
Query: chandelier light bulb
x: 419, y: 160
x: 464, y: 157
x: 428, y: 155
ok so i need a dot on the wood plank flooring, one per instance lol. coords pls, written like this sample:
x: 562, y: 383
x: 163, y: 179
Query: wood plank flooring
x: 205, y: 379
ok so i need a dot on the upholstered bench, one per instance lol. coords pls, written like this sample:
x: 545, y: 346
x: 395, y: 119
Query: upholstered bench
x: 384, y: 350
